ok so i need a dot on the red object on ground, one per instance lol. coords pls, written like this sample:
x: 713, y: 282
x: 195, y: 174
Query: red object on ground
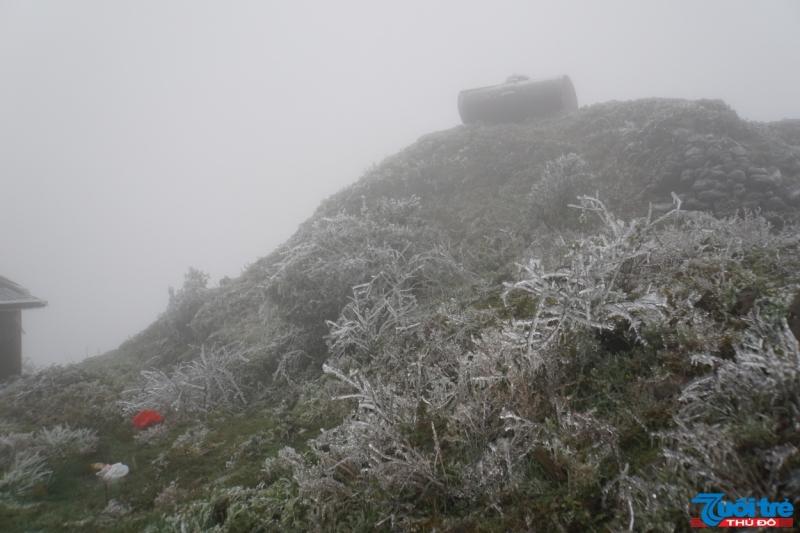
x: 147, y: 418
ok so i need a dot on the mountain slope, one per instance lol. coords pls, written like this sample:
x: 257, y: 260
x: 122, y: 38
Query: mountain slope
x: 475, y: 185
x: 542, y: 323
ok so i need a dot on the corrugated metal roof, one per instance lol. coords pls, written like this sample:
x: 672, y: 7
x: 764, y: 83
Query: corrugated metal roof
x: 12, y: 296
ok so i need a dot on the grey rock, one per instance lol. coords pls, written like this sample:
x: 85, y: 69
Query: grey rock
x: 775, y: 219
x: 756, y: 170
x: 693, y: 152
x: 711, y: 196
x: 774, y: 204
x: 742, y: 162
x: 792, y: 195
x: 717, y: 174
x: 738, y: 151
x: 763, y: 182
x: 753, y: 197
x: 651, y: 190
x: 726, y: 207
x: 737, y: 176
x: 693, y: 204
x: 788, y: 160
x: 704, y: 185
x: 695, y: 161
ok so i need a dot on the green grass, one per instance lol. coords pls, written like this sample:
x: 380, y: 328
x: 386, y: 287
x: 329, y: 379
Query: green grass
x: 73, y: 499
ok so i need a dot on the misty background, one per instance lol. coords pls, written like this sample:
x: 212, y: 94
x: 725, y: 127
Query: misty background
x: 138, y: 139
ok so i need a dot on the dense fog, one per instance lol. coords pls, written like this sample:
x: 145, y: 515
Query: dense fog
x: 140, y: 139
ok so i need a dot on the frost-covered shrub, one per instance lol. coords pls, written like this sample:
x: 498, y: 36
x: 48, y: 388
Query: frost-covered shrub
x: 191, y: 439
x: 115, y: 510
x: 766, y: 367
x: 24, y: 456
x: 366, y: 462
x: 13, y: 444
x: 170, y: 497
x: 152, y: 434
x: 627, y: 273
x: 587, y: 292
x: 274, y: 469
x: 378, y: 310
x: 185, y: 303
x: 372, y: 460
x: 734, y: 433
x: 511, y: 412
x: 64, y: 441
x: 27, y: 470
x: 698, y: 256
x: 212, y: 381
x: 273, y: 509
x: 563, y: 179
x: 756, y: 391
x: 61, y: 395
x: 314, y: 280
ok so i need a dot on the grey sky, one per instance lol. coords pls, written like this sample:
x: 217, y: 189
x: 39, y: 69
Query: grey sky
x: 140, y: 138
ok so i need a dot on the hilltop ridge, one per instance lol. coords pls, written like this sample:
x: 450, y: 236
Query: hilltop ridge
x: 476, y: 183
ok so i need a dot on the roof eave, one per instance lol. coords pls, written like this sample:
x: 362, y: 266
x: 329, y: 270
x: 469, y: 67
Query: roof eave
x: 31, y: 303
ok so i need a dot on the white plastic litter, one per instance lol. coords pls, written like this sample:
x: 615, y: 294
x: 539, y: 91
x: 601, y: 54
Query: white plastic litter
x: 113, y: 473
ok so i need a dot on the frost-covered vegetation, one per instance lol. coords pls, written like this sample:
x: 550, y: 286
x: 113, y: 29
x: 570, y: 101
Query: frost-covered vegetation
x: 24, y: 456
x: 502, y: 328
x: 212, y: 381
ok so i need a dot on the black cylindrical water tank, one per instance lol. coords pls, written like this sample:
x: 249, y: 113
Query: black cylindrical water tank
x: 517, y: 99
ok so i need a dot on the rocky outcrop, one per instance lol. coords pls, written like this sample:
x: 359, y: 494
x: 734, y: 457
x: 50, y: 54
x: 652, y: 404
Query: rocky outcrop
x: 472, y: 179
x: 728, y: 177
